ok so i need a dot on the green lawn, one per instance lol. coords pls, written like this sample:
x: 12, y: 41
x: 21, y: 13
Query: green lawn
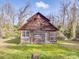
x: 45, y: 51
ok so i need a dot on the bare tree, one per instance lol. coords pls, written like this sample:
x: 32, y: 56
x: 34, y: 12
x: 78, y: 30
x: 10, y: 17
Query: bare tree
x: 69, y: 14
x: 7, y: 12
x: 52, y: 18
x: 7, y: 17
x: 23, y: 12
x: 64, y: 15
x: 74, y: 16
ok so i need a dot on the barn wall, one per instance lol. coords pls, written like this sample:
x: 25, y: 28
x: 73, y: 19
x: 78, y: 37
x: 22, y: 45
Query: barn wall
x: 50, y: 37
x: 53, y: 36
x: 24, y: 39
x: 39, y: 37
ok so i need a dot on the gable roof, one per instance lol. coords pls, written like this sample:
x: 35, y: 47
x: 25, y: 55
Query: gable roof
x: 37, y: 22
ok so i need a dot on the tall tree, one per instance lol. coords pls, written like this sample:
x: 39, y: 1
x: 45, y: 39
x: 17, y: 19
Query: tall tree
x: 74, y: 16
x: 64, y: 11
x: 23, y: 13
x: 7, y: 18
x: 69, y: 14
x: 64, y: 14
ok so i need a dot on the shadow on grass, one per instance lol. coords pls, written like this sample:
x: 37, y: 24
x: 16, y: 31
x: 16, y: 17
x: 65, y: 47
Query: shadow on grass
x: 41, y: 47
x: 13, y: 40
x: 23, y: 47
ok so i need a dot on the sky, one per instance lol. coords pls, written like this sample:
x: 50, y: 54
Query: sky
x: 44, y: 6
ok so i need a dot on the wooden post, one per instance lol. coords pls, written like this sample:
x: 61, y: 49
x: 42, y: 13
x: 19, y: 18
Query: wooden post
x: 31, y: 37
x: 35, y: 56
x: 47, y: 37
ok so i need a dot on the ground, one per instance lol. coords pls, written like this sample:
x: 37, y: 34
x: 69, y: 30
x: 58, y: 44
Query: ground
x: 10, y: 49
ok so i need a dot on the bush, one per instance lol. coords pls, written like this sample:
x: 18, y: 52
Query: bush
x: 15, y: 40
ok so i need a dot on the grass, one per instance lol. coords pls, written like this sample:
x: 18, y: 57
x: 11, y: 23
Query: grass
x: 45, y: 51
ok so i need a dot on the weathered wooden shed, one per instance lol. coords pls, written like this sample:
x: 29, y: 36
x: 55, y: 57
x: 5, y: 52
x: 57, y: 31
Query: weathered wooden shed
x: 38, y: 29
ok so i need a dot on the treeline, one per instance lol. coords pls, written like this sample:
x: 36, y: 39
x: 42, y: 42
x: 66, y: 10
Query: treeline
x: 68, y: 19
x: 11, y: 19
